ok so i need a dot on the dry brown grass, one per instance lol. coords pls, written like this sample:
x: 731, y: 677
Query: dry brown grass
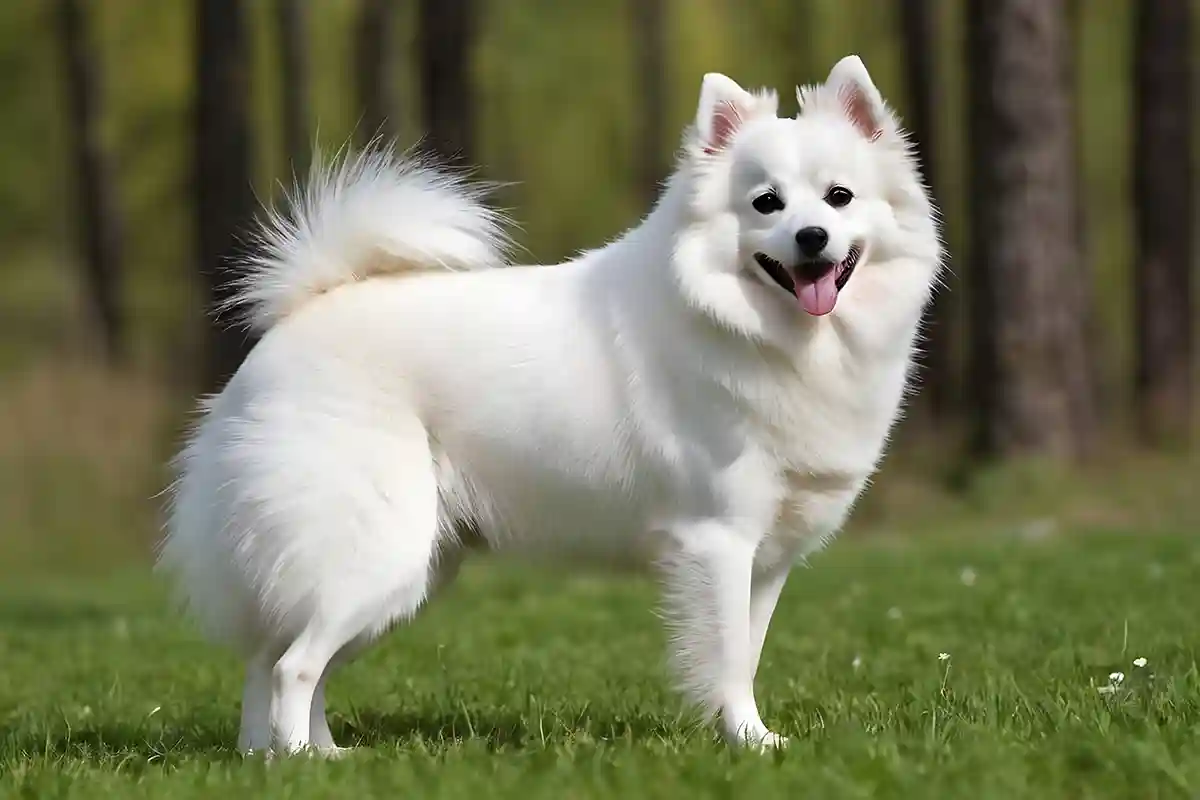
x: 80, y: 455
x: 1123, y: 490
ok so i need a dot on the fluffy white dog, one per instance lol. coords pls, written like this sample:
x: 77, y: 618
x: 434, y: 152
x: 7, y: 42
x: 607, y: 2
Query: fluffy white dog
x: 706, y: 395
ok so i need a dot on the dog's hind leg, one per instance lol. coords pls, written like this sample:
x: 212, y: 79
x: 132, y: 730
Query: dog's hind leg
x: 319, y: 735
x: 375, y: 569
x: 444, y: 571
x: 298, y: 720
x: 255, y: 733
x: 295, y: 680
x: 766, y: 586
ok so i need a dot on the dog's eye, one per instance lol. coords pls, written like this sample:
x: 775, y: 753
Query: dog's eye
x: 768, y: 203
x: 839, y: 196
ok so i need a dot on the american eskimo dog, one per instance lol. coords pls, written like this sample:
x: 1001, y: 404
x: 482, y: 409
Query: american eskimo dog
x: 707, y: 396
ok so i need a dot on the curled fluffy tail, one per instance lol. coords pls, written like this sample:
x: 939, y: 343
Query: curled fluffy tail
x: 361, y: 216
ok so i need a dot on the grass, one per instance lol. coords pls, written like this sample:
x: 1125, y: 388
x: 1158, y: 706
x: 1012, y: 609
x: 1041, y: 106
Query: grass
x: 520, y: 684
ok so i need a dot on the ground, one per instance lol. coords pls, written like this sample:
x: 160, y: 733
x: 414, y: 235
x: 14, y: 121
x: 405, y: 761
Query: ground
x: 899, y: 667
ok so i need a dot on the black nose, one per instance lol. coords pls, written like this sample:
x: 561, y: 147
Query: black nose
x: 812, y: 241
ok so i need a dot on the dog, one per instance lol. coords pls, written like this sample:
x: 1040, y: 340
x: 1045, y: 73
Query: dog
x: 706, y: 396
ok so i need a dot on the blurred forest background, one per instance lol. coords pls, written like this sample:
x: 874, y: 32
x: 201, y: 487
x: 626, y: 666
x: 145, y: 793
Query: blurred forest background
x: 1060, y: 140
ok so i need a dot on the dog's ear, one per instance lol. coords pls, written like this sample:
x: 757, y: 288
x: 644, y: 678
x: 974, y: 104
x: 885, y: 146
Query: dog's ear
x: 860, y: 99
x: 724, y: 106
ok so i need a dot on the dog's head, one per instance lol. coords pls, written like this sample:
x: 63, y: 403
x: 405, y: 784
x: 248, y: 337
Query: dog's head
x: 803, y: 209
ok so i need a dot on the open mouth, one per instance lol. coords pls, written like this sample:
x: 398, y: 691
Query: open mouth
x: 815, y: 284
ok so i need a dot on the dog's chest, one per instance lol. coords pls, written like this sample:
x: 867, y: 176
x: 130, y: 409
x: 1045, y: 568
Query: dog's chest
x: 824, y: 424
x: 827, y: 420
x: 825, y: 449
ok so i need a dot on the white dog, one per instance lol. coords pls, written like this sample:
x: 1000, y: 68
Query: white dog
x: 707, y: 395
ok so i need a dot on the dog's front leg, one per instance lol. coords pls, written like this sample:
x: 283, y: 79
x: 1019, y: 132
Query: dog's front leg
x: 707, y: 576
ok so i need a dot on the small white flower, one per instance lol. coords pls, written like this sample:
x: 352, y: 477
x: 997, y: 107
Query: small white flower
x: 1139, y: 662
x: 856, y: 663
x: 1115, y: 678
x: 943, y: 656
x: 894, y: 613
x: 967, y: 576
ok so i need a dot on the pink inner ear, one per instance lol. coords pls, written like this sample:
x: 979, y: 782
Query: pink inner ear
x: 726, y: 119
x: 858, y: 109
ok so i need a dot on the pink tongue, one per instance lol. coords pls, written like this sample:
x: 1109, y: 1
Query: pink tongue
x: 819, y: 297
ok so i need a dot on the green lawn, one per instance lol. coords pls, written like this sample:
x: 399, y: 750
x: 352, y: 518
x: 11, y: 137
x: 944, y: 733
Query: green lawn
x: 519, y: 684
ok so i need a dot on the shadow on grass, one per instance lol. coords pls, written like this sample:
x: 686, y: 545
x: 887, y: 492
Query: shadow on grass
x: 503, y: 728
x: 118, y: 744
x: 130, y: 745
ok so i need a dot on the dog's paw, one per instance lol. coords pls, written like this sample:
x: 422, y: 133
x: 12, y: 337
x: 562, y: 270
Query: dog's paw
x: 329, y: 753
x: 332, y: 753
x: 772, y: 741
x: 758, y: 737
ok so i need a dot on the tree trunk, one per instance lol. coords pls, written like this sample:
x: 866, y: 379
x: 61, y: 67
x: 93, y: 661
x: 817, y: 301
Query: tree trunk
x: 96, y: 194
x: 375, y: 71
x: 650, y: 43
x: 224, y: 195
x: 1032, y: 389
x: 445, y: 39
x: 291, y: 17
x: 1164, y: 213
x: 1097, y: 402
x: 918, y: 21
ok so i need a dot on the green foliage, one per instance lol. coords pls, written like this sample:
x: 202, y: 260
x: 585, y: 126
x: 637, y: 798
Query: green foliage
x: 520, y: 684
x: 32, y: 144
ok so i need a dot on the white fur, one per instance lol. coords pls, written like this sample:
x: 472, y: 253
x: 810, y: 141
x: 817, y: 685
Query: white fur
x: 654, y: 402
x: 355, y: 220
